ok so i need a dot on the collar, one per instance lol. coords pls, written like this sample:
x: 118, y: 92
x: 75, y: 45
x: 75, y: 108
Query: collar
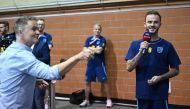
x: 97, y: 38
x: 21, y: 46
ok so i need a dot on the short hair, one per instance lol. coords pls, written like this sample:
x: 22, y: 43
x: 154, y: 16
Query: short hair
x: 22, y: 22
x: 6, y: 23
x: 153, y: 12
x: 42, y: 19
x: 98, y: 24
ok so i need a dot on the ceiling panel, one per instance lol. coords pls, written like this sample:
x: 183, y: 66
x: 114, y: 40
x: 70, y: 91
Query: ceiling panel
x: 14, y: 5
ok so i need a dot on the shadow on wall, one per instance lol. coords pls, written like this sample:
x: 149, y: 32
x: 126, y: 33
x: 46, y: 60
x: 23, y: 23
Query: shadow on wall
x: 111, y: 67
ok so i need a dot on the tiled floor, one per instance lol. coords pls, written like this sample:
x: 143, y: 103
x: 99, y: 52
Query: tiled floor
x: 66, y: 105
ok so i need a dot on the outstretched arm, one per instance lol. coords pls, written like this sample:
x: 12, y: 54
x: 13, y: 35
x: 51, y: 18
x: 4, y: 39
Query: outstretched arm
x: 97, y: 50
x: 66, y: 66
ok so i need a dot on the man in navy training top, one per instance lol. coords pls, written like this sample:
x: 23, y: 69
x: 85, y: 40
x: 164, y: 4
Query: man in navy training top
x: 44, y: 35
x: 5, y: 38
x: 46, y: 38
x: 155, y: 62
x: 96, y: 67
x: 42, y: 52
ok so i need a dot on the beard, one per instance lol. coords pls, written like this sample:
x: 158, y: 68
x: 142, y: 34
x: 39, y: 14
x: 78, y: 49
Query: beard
x: 154, y: 32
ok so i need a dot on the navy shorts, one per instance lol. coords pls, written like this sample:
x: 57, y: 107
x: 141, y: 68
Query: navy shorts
x: 152, y: 104
x: 93, y: 72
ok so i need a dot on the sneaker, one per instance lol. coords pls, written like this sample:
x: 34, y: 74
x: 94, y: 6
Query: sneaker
x: 85, y: 103
x: 109, y: 103
x: 46, y: 106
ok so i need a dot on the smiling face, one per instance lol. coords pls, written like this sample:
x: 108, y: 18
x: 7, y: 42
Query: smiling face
x: 3, y: 29
x: 30, y: 34
x: 97, y: 29
x: 41, y: 25
x: 152, y: 23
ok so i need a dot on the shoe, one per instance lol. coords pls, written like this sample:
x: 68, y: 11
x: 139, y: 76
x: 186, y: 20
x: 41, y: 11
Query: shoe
x: 85, y: 103
x: 109, y: 103
x: 46, y: 106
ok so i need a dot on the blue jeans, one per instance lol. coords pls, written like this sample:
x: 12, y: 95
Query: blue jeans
x: 38, y: 101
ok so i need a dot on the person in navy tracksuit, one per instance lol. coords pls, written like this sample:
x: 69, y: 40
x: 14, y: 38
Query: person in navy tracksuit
x: 42, y: 53
x: 6, y: 38
x: 96, y: 67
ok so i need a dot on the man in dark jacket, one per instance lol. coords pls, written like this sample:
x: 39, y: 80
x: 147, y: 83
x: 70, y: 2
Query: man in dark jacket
x: 42, y: 53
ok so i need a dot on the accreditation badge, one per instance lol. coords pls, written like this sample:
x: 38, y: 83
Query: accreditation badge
x: 149, y: 49
x: 2, y: 49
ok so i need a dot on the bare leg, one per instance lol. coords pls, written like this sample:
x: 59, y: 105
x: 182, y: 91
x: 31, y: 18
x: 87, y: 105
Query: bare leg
x: 87, y: 90
x: 86, y: 102
x: 106, y: 89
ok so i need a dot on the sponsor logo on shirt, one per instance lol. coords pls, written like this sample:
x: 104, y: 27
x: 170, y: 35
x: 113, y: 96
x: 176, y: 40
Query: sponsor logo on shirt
x: 93, y: 46
x: 98, y: 42
x: 149, y: 50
